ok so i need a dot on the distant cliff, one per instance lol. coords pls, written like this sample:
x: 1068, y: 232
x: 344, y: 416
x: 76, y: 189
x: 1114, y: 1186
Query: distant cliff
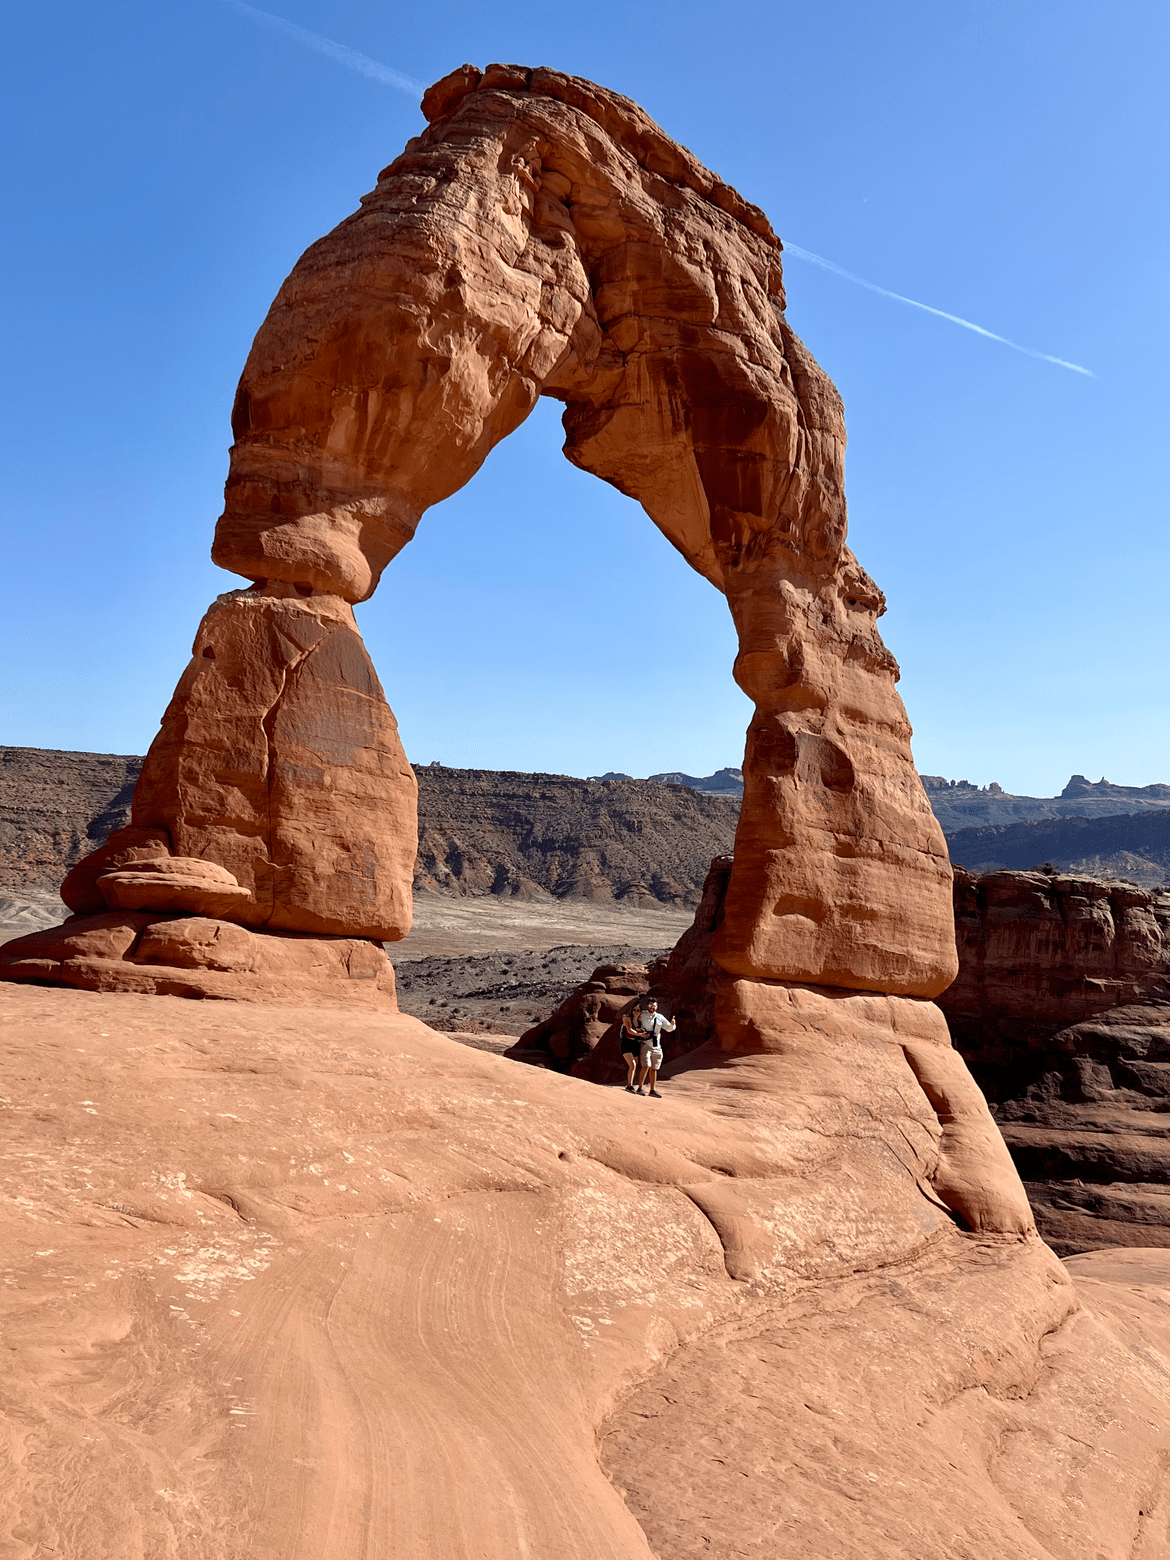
x: 1131, y: 845
x: 481, y: 831
x: 958, y: 804
x: 484, y: 831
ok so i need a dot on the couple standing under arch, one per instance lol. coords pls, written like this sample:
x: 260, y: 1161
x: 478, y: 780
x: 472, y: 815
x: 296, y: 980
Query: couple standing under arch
x: 642, y: 1030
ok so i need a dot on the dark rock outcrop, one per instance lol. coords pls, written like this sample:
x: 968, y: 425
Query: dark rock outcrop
x: 1062, y: 1011
x: 1130, y: 845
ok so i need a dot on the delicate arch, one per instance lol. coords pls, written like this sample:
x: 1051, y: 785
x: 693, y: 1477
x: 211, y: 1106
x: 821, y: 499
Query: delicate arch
x: 544, y: 237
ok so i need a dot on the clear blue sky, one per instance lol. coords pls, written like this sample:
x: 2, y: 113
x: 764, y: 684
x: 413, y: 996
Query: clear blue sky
x: 1005, y: 162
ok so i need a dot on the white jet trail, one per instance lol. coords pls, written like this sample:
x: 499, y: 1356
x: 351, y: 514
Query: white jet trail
x: 350, y: 58
x: 837, y: 270
x: 395, y: 78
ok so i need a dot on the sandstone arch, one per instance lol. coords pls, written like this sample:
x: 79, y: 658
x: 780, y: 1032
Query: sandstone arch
x: 543, y: 237
x: 814, y: 1258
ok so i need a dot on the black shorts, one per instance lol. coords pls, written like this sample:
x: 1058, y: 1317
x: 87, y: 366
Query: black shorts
x: 631, y: 1047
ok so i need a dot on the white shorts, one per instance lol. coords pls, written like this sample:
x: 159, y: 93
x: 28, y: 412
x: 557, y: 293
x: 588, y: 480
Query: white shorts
x: 651, y: 1055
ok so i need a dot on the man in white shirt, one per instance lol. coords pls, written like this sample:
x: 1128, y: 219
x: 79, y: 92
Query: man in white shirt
x: 653, y: 1023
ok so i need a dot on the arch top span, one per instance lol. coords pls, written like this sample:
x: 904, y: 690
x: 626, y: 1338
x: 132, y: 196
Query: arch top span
x: 542, y: 236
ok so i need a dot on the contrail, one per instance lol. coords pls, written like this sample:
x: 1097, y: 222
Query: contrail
x: 837, y: 270
x: 350, y: 58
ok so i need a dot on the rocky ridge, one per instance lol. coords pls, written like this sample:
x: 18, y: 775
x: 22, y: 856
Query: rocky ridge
x: 1062, y: 1011
x: 958, y: 805
x: 1133, y: 845
x: 524, y: 836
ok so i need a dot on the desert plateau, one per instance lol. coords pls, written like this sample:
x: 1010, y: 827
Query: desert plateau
x: 331, y: 1230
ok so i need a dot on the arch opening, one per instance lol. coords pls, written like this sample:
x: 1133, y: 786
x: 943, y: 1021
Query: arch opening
x: 544, y: 237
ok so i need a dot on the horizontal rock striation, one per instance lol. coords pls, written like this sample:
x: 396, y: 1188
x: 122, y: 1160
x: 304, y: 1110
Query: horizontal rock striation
x: 55, y: 807
x: 529, y: 835
x: 1130, y: 845
x: 1062, y: 1011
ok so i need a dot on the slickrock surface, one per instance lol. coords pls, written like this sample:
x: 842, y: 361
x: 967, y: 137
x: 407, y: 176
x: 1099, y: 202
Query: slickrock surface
x: 1062, y: 1010
x: 280, y: 1283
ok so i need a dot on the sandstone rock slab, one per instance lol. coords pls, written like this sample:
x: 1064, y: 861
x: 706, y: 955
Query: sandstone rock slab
x: 198, y: 956
x: 173, y: 883
x: 298, y: 1266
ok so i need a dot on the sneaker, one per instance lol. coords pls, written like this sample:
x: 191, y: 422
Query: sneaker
x: 639, y: 1091
x: 654, y: 1094
x: 630, y: 1089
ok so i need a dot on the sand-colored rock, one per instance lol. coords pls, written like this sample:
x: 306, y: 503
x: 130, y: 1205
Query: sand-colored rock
x: 199, y: 956
x: 306, y: 1284
x: 543, y: 236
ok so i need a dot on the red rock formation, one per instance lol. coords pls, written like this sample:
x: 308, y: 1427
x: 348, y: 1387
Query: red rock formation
x: 544, y: 237
x: 1062, y: 1011
x: 279, y: 759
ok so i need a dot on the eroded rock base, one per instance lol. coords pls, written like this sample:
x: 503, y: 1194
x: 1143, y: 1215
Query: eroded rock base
x: 196, y: 956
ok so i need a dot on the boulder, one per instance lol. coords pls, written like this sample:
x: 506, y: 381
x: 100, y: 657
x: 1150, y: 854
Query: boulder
x: 280, y: 761
x: 583, y: 1036
x: 589, y: 1015
x: 173, y: 883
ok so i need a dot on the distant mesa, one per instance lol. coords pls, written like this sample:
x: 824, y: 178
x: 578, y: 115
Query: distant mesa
x: 957, y: 804
x: 724, y: 782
